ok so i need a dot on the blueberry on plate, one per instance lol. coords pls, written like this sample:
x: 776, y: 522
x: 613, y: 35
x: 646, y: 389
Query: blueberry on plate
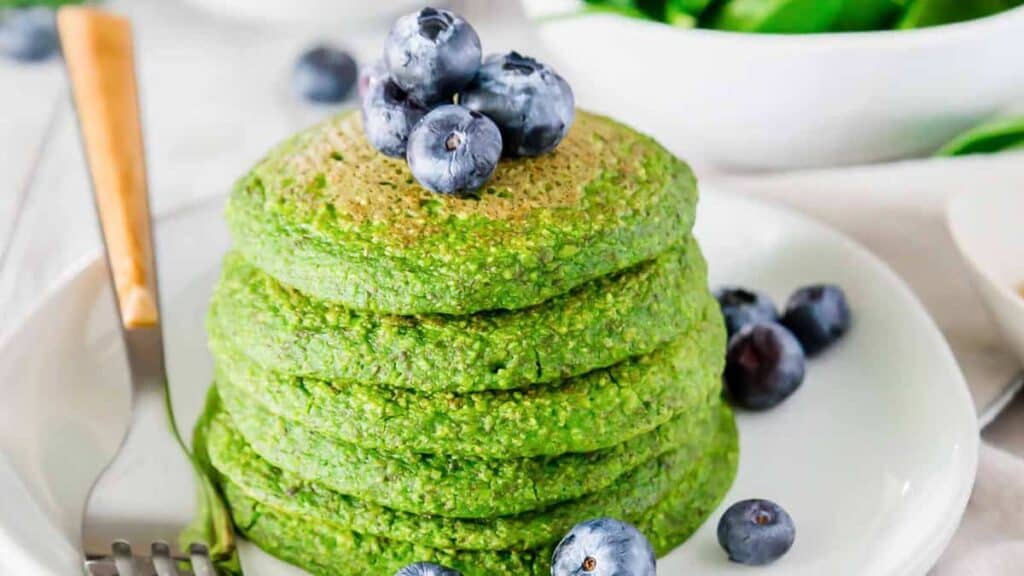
x: 29, y: 35
x: 531, y: 104
x: 389, y: 116
x: 741, y: 307
x: 818, y: 316
x: 764, y: 365
x: 453, y: 150
x: 603, y: 547
x: 427, y: 569
x: 432, y: 54
x: 324, y: 74
x: 756, y: 532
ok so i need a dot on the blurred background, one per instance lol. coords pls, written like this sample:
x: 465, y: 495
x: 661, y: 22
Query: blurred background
x: 868, y: 114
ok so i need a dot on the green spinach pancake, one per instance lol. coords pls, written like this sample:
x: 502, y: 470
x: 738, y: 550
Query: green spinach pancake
x: 596, y: 325
x: 450, y: 486
x: 692, y: 466
x: 405, y: 376
x: 327, y: 214
x: 586, y: 413
x: 326, y: 548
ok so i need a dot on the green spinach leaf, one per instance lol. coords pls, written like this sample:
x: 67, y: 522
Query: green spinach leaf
x: 777, y: 16
x: 923, y: 13
x: 992, y: 137
x: 857, y: 15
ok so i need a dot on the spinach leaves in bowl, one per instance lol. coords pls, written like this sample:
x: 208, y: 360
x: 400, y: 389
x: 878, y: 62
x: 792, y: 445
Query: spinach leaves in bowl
x: 804, y: 16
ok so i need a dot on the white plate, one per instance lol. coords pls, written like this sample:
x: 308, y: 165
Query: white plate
x: 874, y: 457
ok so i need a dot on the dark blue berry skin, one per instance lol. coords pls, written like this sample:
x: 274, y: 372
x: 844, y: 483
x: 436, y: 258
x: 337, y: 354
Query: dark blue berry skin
x: 388, y: 115
x: 531, y: 104
x: 764, y: 365
x: 427, y: 569
x: 741, y: 307
x: 756, y: 532
x: 371, y: 76
x: 453, y: 150
x: 603, y: 547
x: 432, y: 54
x: 818, y: 316
x: 324, y: 74
x: 29, y: 35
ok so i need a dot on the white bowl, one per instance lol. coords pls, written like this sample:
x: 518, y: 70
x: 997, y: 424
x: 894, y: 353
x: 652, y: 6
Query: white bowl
x: 988, y: 227
x: 755, y: 101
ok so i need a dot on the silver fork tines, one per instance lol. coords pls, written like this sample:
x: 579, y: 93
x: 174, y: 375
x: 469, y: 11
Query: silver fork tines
x: 161, y: 562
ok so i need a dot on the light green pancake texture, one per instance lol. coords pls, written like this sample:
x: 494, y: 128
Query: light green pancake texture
x: 449, y: 486
x: 236, y: 463
x: 586, y: 413
x: 596, y: 325
x: 328, y: 215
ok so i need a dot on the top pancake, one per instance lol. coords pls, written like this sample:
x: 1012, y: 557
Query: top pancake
x: 327, y: 214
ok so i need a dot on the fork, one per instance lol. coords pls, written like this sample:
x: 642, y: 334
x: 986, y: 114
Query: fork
x: 152, y: 491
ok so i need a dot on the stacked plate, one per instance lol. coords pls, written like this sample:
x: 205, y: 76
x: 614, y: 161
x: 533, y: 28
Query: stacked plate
x: 403, y: 376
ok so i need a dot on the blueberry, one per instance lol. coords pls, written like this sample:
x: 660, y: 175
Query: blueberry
x: 427, y: 569
x: 29, y: 35
x: 324, y: 74
x: 388, y: 115
x: 453, y: 150
x: 818, y: 316
x: 763, y: 366
x: 531, y: 104
x: 603, y: 547
x: 756, y: 532
x: 432, y: 54
x: 370, y: 76
x: 741, y: 307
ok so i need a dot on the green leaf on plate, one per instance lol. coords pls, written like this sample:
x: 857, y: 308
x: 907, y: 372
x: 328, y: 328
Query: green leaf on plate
x: 923, y: 13
x: 990, y: 138
x: 777, y: 16
x: 212, y: 524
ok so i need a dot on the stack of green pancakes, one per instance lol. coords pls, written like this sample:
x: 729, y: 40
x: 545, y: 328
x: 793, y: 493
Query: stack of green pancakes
x: 403, y: 376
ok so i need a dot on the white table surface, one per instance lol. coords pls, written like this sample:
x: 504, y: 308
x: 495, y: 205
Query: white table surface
x: 215, y: 97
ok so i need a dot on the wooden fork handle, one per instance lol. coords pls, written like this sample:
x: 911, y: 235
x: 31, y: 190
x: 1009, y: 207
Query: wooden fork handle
x: 98, y: 52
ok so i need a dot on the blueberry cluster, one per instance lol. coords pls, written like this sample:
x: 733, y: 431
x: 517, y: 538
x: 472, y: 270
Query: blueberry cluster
x: 452, y: 115
x: 765, y: 362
